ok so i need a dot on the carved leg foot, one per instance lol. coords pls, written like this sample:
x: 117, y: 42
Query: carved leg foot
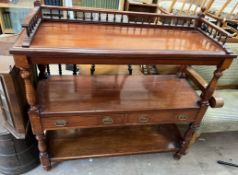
x: 45, y: 162
x: 44, y: 158
x: 187, y: 140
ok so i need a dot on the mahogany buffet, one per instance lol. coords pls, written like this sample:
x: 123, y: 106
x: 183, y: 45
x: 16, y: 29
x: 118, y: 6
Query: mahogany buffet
x: 77, y: 116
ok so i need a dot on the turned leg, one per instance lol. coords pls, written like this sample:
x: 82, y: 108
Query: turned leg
x: 44, y: 158
x: 42, y: 73
x: 40, y: 137
x: 204, y: 104
x: 92, y: 69
x: 130, y: 69
x: 34, y: 116
x: 186, y: 142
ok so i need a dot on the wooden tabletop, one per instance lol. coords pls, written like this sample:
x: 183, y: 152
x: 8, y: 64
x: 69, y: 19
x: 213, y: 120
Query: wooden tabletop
x: 111, y: 37
x: 71, y: 35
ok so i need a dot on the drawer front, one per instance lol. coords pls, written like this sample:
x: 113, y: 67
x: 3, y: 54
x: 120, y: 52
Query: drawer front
x: 162, y: 117
x: 83, y: 121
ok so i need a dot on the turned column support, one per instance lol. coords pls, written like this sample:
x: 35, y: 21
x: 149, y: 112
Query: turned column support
x: 204, y: 104
x: 26, y: 74
x: 212, y: 85
x: 21, y: 61
x: 35, y: 118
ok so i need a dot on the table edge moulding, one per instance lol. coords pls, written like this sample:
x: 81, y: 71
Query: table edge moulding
x: 91, y: 116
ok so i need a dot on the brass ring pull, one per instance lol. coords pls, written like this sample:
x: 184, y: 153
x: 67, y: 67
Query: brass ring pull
x: 143, y: 119
x: 107, y: 120
x: 60, y: 123
x: 182, y: 117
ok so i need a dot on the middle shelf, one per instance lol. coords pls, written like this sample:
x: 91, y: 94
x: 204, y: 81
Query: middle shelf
x: 100, y: 94
x: 99, y: 101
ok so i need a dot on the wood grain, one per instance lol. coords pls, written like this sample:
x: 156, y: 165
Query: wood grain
x: 101, y: 94
x: 83, y: 143
x: 50, y: 35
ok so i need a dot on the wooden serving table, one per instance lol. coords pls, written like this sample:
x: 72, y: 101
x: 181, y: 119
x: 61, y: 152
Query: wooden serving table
x: 90, y: 116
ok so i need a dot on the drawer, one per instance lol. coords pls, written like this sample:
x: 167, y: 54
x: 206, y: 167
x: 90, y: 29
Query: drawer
x: 83, y: 121
x: 173, y: 116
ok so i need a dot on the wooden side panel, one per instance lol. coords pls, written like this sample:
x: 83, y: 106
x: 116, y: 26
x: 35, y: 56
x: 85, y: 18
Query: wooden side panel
x: 16, y: 118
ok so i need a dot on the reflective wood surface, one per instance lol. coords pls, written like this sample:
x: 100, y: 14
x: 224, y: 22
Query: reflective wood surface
x: 71, y: 35
x: 96, y: 142
x: 85, y: 94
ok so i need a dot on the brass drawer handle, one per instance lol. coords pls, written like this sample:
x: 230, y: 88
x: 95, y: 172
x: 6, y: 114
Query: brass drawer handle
x: 107, y: 120
x: 60, y: 123
x: 182, y: 117
x: 144, y: 119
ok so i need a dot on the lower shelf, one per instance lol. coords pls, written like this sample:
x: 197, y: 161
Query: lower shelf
x: 96, y: 142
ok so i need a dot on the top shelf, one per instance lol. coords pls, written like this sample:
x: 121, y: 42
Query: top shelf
x: 103, y: 33
x: 85, y: 36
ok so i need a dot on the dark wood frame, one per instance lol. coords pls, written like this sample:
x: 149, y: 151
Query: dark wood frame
x: 25, y: 57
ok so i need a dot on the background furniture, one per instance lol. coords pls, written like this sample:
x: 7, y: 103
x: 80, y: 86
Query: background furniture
x: 137, y: 6
x: 12, y: 101
x: 12, y: 14
x: 108, y: 4
x: 184, y: 7
x: 18, y: 149
x: 223, y: 13
x: 226, y: 16
x: 17, y: 156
